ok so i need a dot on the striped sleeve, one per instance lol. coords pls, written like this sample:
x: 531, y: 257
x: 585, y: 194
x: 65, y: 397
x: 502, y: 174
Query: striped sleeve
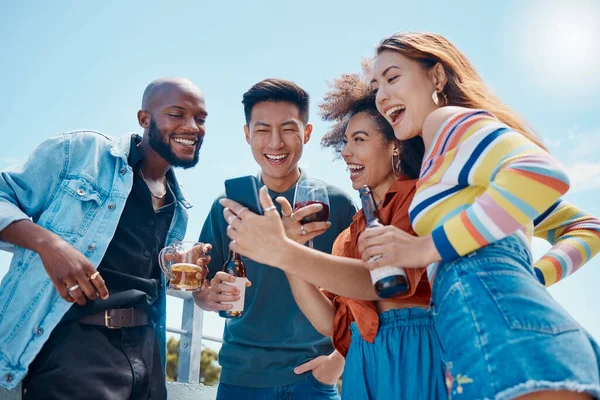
x: 575, y: 239
x: 520, y: 181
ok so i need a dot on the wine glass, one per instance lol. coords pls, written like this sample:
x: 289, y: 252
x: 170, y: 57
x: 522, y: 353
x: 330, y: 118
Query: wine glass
x: 312, y: 191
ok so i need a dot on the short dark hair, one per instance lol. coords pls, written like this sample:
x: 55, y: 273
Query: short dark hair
x: 277, y: 90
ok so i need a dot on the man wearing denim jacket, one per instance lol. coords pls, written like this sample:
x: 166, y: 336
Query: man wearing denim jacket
x: 85, y: 217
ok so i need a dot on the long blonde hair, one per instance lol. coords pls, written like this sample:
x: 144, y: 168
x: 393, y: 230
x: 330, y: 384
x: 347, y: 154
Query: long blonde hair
x: 465, y: 88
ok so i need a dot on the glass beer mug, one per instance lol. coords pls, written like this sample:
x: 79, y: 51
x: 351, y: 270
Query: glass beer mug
x: 179, y: 262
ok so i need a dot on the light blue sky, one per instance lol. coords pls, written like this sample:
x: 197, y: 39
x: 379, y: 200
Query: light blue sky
x: 68, y: 65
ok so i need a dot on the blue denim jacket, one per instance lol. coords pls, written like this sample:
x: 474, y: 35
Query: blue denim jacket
x: 75, y: 185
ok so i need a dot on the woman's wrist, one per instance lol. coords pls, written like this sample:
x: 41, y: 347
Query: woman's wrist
x: 429, y: 251
x: 337, y: 355
x: 284, y: 253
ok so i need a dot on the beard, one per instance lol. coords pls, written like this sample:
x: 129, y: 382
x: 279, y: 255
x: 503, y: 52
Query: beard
x: 157, y: 142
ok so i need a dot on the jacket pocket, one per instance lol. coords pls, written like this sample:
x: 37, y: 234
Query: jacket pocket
x: 25, y: 303
x: 525, y: 304
x: 75, y: 207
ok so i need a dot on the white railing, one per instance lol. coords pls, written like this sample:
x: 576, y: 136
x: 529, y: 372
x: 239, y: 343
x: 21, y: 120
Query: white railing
x: 190, y: 342
x: 190, y: 350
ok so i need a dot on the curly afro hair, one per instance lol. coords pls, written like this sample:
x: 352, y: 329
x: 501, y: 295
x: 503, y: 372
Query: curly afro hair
x: 351, y: 94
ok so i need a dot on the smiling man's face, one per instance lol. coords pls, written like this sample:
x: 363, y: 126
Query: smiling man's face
x: 176, y: 130
x: 277, y: 136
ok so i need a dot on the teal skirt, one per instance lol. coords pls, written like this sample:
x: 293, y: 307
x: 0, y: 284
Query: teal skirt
x: 403, y: 363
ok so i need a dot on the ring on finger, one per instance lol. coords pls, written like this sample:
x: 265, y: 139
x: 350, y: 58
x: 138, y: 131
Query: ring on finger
x: 372, y: 259
x: 272, y: 208
x: 303, y: 230
x: 73, y: 288
x: 286, y: 215
x: 239, y: 214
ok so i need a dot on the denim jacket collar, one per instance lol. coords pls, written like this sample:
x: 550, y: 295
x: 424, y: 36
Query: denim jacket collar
x: 120, y: 147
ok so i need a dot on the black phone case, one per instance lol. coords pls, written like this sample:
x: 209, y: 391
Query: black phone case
x: 244, y: 190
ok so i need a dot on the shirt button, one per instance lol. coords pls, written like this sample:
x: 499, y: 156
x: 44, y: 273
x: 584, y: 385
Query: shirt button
x: 111, y: 206
x: 9, y: 377
x: 80, y: 192
x: 146, y: 253
x: 91, y: 247
x: 122, y: 171
x: 39, y: 331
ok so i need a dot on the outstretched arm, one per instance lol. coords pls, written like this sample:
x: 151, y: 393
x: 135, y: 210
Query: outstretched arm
x: 263, y: 239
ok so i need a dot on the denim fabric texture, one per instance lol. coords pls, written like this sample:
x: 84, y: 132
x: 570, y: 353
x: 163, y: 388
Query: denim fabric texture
x: 308, y: 388
x: 75, y: 185
x: 502, y: 333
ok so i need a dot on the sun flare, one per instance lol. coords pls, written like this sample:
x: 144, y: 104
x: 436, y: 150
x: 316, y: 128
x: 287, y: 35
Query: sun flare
x: 560, y: 44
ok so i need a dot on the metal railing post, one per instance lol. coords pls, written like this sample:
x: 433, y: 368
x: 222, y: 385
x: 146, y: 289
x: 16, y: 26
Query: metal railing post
x: 190, y: 345
x: 190, y: 342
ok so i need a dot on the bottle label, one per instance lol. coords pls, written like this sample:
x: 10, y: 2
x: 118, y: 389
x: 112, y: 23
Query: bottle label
x: 239, y: 283
x: 380, y: 273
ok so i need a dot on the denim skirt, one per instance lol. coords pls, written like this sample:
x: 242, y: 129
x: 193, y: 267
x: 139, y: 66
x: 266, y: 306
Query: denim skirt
x: 403, y: 363
x: 502, y: 333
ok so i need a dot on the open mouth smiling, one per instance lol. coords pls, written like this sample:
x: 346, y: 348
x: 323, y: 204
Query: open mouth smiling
x: 276, y: 159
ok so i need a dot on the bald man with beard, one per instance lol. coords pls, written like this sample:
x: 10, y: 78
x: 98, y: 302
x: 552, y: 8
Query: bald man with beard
x: 83, y: 303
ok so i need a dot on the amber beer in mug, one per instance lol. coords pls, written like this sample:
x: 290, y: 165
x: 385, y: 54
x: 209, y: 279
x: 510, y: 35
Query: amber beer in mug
x: 184, y: 276
x: 179, y: 262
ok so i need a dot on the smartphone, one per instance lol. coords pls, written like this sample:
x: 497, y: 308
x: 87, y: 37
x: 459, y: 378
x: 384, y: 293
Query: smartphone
x: 244, y: 190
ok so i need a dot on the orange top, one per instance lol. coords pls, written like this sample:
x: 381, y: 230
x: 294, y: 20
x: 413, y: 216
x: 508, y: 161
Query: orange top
x: 393, y: 211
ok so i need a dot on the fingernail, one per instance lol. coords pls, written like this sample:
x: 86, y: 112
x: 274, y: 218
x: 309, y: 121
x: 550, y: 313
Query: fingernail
x: 319, y: 206
x: 295, y: 370
x: 222, y: 202
x: 264, y: 189
x: 328, y: 223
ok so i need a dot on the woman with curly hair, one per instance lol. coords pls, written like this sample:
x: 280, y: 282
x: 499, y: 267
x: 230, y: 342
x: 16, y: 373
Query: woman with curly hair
x: 391, y: 349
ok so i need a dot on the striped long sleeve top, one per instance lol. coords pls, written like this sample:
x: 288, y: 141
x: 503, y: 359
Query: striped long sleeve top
x: 480, y: 182
x: 575, y: 239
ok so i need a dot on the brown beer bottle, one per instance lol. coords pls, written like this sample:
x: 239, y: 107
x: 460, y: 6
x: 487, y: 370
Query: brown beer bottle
x: 389, y: 281
x: 233, y: 266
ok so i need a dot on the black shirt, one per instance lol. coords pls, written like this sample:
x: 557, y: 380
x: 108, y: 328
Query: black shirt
x: 130, y: 265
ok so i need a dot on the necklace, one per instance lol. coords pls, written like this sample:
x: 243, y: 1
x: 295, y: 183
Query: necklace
x: 151, y: 192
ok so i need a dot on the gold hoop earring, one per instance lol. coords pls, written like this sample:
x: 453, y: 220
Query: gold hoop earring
x: 435, y: 96
x: 396, y: 164
x: 446, y: 102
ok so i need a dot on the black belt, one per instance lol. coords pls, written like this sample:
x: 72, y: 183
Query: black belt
x: 116, y: 318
